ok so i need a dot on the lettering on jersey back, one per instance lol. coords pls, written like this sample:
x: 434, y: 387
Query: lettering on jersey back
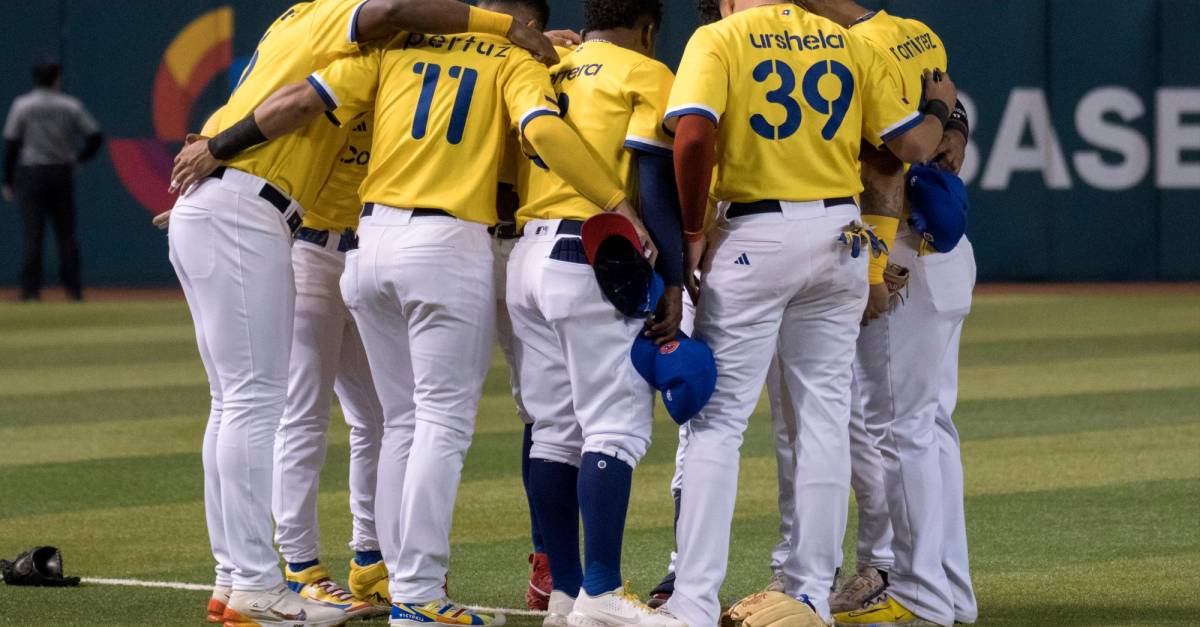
x: 913, y: 47
x: 457, y: 43
x: 570, y: 74
x: 798, y: 42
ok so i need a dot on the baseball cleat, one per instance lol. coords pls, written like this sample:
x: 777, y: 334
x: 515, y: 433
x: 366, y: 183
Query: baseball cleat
x: 617, y: 609
x: 662, y: 592
x: 778, y: 583
x: 856, y: 592
x: 314, y: 584
x: 440, y: 612
x: 886, y: 613
x: 369, y: 584
x: 559, y: 606
x: 217, y: 603
x: 279, y: 607
x: 537, y: 596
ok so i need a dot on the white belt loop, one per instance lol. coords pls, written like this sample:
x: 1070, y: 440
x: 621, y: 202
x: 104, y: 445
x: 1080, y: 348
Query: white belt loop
x: 803, y: 210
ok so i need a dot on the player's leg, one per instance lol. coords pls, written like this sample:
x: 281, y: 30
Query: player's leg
x: 537, y: 594
x: 33, y: 230
x: 61, y: 207
x: 816, y: 350
x: 955, y: 555
x: 874, y: 534
x: 446, y: 290
x: 556, y: 437
x: 783, y: 428
x: 223, y: 585
x: 355, y: 389
x: 918, y: 336
x: 738, y: 316
x: 368, y: 290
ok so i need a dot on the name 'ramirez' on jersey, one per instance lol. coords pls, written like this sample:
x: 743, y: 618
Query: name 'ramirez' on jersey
x: 615, y: 99
x: 793, y: 96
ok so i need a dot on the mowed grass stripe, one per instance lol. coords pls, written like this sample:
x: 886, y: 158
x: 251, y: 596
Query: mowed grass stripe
x: 1061, y: 349
x: 68, y: 409
x: 21, y: 339
x: 1100, y: 375
x: 69, y: 378
x: 115, y: 355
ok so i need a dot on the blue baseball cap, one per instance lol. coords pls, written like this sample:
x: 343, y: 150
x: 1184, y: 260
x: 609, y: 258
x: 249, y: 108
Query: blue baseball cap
x: 938, y: 200
x: 684, y: 370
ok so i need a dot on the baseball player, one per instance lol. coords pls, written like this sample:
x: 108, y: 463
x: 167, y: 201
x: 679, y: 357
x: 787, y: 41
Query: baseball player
x: 420, y: 285
x: 328, y: 357
x: 592, y: 411
x: 768, y: 88
x: 906, y: 373
x: 230, y: 245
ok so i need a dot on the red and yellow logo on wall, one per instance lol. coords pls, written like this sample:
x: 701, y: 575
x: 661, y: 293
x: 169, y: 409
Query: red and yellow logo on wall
x: 201, y: 52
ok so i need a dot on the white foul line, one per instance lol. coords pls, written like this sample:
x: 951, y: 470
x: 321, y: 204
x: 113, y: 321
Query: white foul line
x: 175, y: 585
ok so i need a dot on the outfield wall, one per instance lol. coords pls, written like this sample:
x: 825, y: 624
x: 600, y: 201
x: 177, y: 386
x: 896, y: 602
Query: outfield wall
x: 1085, y: 161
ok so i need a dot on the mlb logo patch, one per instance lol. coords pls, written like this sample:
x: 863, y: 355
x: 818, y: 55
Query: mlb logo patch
x: 541, y: 230
x: 669, y: 347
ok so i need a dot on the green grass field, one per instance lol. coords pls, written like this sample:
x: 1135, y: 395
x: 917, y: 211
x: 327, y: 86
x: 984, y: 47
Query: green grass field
x: 1080, y: 417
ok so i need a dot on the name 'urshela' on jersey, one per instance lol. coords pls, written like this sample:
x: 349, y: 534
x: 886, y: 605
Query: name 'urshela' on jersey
x: 801, y: 43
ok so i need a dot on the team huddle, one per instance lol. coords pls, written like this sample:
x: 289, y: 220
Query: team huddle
x: 395, y: 185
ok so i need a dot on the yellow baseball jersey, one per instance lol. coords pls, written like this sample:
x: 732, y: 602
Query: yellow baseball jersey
x: 793, y: 95
x: 338, y: 206
x: 910, y: 43
x: 444, y: 107
x: 305, y: 38
x: 615, y: 98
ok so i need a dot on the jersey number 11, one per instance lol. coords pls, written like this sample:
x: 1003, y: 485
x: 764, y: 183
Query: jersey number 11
x: 432, y: 73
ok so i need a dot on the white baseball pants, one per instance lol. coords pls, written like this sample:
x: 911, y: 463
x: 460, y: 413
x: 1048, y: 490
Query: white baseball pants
x: 232, y: 252
x: 572, y: 349
x: 908, y: 369
x: 327, y: 358
x: 420, y: 289
x: 502, y: 250
x: 778, y: 279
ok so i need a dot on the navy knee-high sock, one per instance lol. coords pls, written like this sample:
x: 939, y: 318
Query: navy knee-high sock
x: 535, y: 532
x: 604, y: 483
x: 556, y: 507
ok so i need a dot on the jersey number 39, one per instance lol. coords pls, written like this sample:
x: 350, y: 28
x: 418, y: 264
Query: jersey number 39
x: 783, y: 96
x: 431, y: 73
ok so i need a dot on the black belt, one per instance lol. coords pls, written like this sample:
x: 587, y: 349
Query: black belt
x: 740, y: 209
x: 278, y: 199
x: 347, y: 240
x: 571, y: 227
x: 504, y: 230
x: 369, y: 209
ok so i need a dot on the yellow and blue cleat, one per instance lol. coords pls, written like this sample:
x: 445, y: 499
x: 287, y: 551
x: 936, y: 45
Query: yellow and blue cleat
x: 886, y: 613
x: 313, y: 583
x: 369, y: 584
x: 440, y: 612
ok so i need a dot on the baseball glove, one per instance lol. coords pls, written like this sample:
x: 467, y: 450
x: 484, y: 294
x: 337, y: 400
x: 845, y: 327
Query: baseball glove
x: 41, y: 566
x: 895, y: 276
x: 771, y: 609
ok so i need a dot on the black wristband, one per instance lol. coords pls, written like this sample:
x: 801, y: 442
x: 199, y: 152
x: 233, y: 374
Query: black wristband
x: 958, y: 120
x: 937, y: 109
x: 235, y: 139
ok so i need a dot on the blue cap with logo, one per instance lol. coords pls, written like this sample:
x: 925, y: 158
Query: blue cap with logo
x: 938, y: 200
x: 684, y: 370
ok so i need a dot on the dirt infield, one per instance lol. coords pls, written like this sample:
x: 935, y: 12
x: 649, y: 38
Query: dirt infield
x: 110, y: 294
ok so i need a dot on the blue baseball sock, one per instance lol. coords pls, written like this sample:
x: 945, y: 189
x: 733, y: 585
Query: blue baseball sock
x: 604, y: 483
x: 556, y: 507
x: 366, y: 558
x: 534, y: 531
x: 299, y: 566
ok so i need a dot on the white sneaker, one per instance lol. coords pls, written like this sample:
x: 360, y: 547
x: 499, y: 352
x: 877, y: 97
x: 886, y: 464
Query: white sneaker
x: 560, y: 607
x: 616, y: 609
x: 279, y: 607
x: 217, y: 603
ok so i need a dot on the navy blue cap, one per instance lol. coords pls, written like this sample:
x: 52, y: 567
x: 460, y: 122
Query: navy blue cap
x: 684, y: 370
x: 938, y: 200
x: 625, y: 276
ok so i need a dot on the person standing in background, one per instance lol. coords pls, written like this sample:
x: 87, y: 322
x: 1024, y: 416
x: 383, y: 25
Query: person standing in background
x: 42, y: 136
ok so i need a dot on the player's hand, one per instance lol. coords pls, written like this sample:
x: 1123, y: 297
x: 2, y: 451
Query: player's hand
x: 565, y: 38
x: 693, y: 257
x: 951, y: 152
x: 938, y: 86
x: 664, y: 325
x: 534, y: 41
x: 648, y: 249
x: 192, y: 164
x: 162, y: 220
x: 8, y: 193
x: 879, y: 302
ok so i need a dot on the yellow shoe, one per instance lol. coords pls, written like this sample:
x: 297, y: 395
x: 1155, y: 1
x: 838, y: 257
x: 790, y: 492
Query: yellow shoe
x: 886, y: 613
x: 369, y: 584
x: 313, y: 583
x: 440, y: 612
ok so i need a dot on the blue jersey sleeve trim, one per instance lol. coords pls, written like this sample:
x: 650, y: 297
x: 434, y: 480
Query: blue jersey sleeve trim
x: 700, y: 111
x: 353, y: 37
x: 534, y: 114
x: 913, y: 122
x: 323, y: 91
x: 638, y: 146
